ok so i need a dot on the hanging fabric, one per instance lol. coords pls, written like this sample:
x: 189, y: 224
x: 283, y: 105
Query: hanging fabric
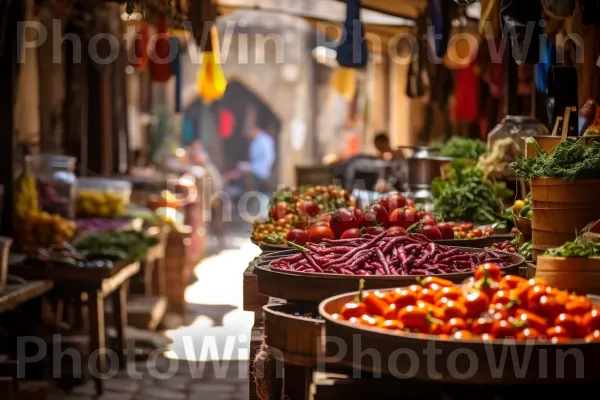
x: 352, y: 52
x: 489, y: 23
x: 160, y: 70
x: 541, y: 69
x: 559, y: 9
x: 417, y: 78
x: 176, y: 70
x: 211, y: 82
x: 226, y: 123
x: 515, y: 17
x: 139, y: 48
x: 440, y: 14
x: 343, y: 81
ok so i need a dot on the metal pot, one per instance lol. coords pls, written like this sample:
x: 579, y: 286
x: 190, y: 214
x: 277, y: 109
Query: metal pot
x: 516, y: 127
x: 423, y: 166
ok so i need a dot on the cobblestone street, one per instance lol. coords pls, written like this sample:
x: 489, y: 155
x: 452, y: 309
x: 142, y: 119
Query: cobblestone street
x: 208, y: 354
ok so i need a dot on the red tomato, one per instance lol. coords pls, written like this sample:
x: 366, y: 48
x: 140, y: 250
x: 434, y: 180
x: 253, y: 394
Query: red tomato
x: 404, y: 217
x: 309, y: 208
x: 320, y: 232
x: 422, y: 214
x: 301, y: 223
x: 482, y: 325
x: 432, y: 232
x: 446, y: 230
x: 591, y: 321
x: 358, y: 215
x: 593, y: 337
x: 503, y: 329
x: 396, y: 231
x: 428, y: 220
x: 476, y: 303
x: 368, y: 219
x: 298, y: 236
x: 511, y: 282
x: 528, y: 333
x: 491, y: 270
x: 558, y: 332
x: 382, y: 217
x: 393, y: 201
x: 374, y: 230
x: 531, y: 320
x: 573, y: 324
x: 279, y: 210
x: 455, y: 325
x: 353, y: 233
x: 343, y: 220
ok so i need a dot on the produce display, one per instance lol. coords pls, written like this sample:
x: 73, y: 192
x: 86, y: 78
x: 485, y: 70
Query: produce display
x: 522, y: 208
x: 65, y: 254
x: 504, y: 246
x: 459, y: 147
x: 37, y: 229
x: 467, y: 231
x: 100, y: 224
x: 488, y: 307
x: 299, y: 208
x: 467, y: 196
x: 496, y: 161
x: 526, y: 250
x: 384, y: 254
x: 577, y: 248
x: 572, y: 158
x: 123, y: 245
x: 93, y: 203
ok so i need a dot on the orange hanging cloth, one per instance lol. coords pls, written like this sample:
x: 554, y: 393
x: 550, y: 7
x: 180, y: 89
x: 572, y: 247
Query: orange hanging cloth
x: 139, y: 48
x: 210, y: 81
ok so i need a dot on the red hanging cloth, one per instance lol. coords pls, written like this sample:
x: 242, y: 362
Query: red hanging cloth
x: 226, y: 123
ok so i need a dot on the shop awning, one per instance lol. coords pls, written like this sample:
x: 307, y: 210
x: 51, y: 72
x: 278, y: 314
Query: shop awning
x: 328, y: 16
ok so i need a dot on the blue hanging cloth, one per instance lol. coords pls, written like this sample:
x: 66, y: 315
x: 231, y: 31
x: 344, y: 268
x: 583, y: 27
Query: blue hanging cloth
x: 441, y: 21
x: 176, y: 70
x: 541, y: 69
x: 352, y: 52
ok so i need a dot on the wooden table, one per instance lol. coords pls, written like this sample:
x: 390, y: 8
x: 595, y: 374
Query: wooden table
x: 97, y: 284
x: 14, y: 295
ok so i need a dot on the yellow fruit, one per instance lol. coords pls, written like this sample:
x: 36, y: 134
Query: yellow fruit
x: 519, y: 204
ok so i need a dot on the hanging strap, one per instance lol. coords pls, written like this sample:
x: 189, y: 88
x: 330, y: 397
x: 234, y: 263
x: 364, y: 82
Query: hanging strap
x: 352, y: 52
x: 203, y: 14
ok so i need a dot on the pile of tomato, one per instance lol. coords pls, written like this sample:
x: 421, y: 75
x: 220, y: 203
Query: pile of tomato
x: 488, y: 306
x: 393, y: 213
x: 298, y: 208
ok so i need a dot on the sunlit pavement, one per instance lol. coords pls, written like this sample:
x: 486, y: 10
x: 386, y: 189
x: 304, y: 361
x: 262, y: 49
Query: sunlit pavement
x: 219, y: 328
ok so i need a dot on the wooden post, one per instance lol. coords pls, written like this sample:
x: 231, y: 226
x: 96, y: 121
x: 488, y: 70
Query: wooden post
x: 8, y: 79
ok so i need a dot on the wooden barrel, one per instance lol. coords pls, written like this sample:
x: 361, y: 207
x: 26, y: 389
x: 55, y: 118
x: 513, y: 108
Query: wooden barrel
x: 547, y: 143
x: 560, y: 210
x: 578, y: 274
x: 294, y: 339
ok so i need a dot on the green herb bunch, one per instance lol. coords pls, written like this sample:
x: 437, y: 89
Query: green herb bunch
x: 573, y: 158
x: 467, y: 196
x: 459, y: 147
x: 578, y: 248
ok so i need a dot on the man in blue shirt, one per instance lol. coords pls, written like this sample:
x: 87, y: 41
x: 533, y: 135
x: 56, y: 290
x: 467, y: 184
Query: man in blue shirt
x: 262, y: 158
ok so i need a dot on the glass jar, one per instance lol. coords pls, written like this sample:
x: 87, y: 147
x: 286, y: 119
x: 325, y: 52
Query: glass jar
x: 55, y: 183
x: 516, y: 127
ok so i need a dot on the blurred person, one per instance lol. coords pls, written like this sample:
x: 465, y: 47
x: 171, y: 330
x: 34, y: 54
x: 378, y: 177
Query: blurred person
x: 261, y: 159
x: 391, y: 177
x: 384, y: 148
x: 196, y: 156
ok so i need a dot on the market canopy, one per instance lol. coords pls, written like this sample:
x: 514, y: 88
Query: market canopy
x: 328, y: 15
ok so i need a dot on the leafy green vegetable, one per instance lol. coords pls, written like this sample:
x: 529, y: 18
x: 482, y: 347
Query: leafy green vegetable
x: 578, y: 248
x: 466, y: 196
x: 526, y: 250
x: 131, y: 245
x: 573, y: 158
x: 459, y: 147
